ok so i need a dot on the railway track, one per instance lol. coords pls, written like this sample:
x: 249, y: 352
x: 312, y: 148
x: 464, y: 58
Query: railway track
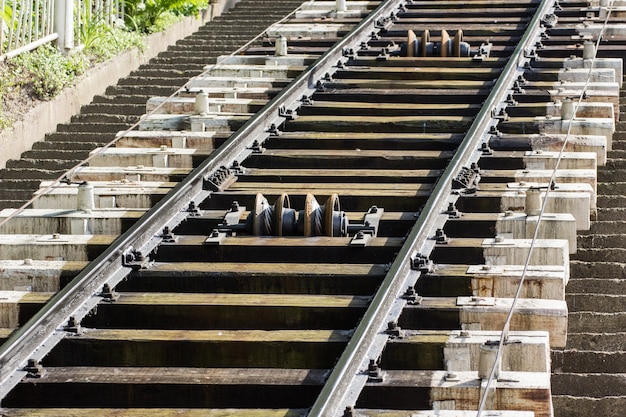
x: 332, y: 222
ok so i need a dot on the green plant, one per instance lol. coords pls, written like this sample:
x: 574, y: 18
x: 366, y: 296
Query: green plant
x: 146, y: 15
x: 48, y: 71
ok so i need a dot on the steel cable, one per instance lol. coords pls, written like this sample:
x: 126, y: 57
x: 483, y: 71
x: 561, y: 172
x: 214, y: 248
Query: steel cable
x: 507, y: 323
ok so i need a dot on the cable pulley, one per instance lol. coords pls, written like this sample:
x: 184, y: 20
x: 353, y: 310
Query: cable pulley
x: 279, y: 219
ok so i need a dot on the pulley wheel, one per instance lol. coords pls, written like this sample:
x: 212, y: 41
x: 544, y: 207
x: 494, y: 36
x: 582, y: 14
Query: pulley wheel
x: 311, y: 207
x: 411, y: 44
x: 458, y: 39
x: 445, y: 41
x: 259, y: 224
x: 425, y: 41
x: 332, y: 206
x: 280, y: 205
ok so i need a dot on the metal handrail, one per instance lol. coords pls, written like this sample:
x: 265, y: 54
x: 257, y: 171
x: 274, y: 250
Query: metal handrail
x: 80, y: 295
x: 338, y: 392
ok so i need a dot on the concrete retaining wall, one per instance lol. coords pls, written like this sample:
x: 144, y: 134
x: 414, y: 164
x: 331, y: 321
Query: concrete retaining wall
x: 46, y: 116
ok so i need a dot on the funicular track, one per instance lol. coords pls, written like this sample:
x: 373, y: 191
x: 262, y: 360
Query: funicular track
x: 348, y: 236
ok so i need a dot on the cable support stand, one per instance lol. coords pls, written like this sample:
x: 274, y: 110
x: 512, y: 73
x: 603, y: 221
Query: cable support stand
x: 507, y: 323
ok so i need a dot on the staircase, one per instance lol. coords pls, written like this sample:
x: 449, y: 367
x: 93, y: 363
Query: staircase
x: 123, y: 104
x: 589, y: 375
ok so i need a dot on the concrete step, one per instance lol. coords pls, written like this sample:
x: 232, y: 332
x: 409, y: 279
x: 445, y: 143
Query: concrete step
x: 11, y: 203
x: 589, y: 361
x: 597, y: 270
x: 142, y: 90
x: 611, y: 188
x: 95, y: 137
x: 121, y: 99
x: 92, y: 127
x: 58, y: 154
x: 11, y: 194
x: 104, y: 118
x: 190, y: 60
x: 603, y: 303
x: 65, y: 145
x: 595, y: 385
x: 164, y: 73
x: 600, y: 255
x: 114, y: 108
x: 597, y: 286
x: 590, y: 321
x: 29, y: 173
x: 605, y: 227
x: 141, y: 80
x: 611, y: 201
x: 50, y: 164
x: 608, y: 241
x: 569, y: 406
x: 612, y: 214
x: 20, y: 184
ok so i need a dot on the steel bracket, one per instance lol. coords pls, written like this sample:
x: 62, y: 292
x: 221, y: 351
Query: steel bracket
x: 233, y: 214
x: 108, y: 295
x: 34, y: 369
x: 287, y: 113
x: 134, y: 259
x: 218, y: 180
x: 72, y: 326
x: 167, y: 236
x: 411, y: 296
x: 215, y: 238
x: 192, y: 209
x: 361, y: 238
x: 421, y: 263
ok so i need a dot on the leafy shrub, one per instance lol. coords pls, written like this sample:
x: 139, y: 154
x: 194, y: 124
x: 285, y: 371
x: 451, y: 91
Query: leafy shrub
x: 149, y: 16
x: 49, y: 72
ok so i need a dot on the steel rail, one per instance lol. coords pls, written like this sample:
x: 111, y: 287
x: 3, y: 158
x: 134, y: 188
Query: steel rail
x: 41, y: 333
x: 349, y: 375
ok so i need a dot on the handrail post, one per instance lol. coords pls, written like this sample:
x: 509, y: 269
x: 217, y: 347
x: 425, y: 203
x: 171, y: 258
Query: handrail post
x: 64, y: 23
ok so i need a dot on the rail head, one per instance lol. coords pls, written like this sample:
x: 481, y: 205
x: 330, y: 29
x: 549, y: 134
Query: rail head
x: 350, y: 372
x: 41, y: 333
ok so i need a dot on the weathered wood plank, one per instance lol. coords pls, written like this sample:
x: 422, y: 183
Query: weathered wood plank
x: 155, y: 412
x: 489, y: 314
x: 201, y: 348
x: 170, y: 388
x: 456, y: 351
x: 544, y: 281
x: 276, y: 249
x: 523, y: 391
x: 260, y: 278
x: 223, y: 311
